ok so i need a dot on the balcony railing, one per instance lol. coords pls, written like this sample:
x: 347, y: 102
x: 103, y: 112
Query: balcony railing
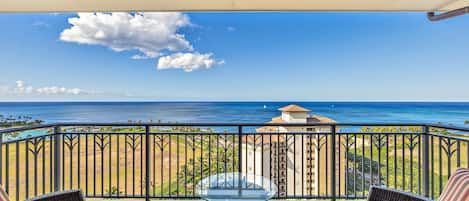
x: 166, y: 160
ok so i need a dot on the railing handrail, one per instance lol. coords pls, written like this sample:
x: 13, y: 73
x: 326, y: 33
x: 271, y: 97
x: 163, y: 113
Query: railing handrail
x: 51, y: 125
x: 235, y: 124
x: 448, y: 137
x: 63, y: 140
x: 25, y: 128
x: 450, y: 127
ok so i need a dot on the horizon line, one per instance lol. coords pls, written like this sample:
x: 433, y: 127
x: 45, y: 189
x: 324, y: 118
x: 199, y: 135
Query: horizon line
x: 260, y: 101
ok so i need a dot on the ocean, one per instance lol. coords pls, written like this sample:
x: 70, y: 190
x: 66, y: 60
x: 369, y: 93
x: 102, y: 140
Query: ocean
x: 455, y: 113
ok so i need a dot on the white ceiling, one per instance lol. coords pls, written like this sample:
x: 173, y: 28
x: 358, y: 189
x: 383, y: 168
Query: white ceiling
x: 228, y: 5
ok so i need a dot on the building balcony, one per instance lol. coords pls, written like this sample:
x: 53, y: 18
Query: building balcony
x: 167, y: 160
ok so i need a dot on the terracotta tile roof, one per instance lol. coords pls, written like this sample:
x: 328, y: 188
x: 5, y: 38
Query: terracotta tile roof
x: 293, y: 108
x: 310, y: 119
x: 319, y: 119
x: 277, y: 120
x: 271, y: 128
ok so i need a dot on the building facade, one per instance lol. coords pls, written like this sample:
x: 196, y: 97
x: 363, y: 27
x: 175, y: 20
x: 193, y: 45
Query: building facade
x: 299, y: 164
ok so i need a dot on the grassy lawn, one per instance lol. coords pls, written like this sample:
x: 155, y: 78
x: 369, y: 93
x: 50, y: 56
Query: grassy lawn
x: 402, y: 166
x: 100, y: 170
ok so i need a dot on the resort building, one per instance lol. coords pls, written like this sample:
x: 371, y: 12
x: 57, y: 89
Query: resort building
x: 298, y: 164
x: 296, y: 114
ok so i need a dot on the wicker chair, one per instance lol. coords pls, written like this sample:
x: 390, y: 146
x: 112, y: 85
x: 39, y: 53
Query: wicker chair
x: 72, y: 195
x: 378, y: 193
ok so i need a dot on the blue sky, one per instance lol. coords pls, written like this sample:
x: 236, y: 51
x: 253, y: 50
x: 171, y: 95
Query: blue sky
x: 235, y: 56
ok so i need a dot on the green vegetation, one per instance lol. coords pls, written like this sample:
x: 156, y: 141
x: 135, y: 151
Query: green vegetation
x: 11, y: 121
x: 103, y: 150
x: 113, y: 191
x: 210, y: 156
x: 399, y: 160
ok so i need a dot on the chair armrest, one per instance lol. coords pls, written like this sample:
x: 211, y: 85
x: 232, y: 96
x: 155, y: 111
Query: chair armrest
x: 72, y: 195
x: 378, y: 193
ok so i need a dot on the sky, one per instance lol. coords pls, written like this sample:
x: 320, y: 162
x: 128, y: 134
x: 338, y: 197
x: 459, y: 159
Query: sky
x: 262, y: 56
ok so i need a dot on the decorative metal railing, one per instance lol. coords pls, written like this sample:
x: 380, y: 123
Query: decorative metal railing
x: 165, y: 160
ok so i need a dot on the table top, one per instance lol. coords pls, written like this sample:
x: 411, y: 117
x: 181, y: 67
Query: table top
x: 235, y: 185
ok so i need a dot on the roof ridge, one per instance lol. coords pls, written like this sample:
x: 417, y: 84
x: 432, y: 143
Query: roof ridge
x: 294, y: 108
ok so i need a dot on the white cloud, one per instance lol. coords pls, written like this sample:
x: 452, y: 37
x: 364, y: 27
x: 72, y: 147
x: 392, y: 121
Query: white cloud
x: 148, y: 33
x: 187, y: 61
x: 58, y: 90
x: 21, y: 88
x: 230, y: 28
x: 151, y: 34
x: 40, y: 24
x: 139, y: 57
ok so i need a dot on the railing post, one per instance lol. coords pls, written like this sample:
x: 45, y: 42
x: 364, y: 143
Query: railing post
x: 147, y: 163
x: 333, y: 162
x: 240, y: 159
x: 1, y: 158
x: 57, y: 136
x: 426, y: 162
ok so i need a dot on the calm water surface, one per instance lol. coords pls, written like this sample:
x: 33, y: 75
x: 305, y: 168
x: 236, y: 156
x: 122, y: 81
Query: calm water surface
x: 428, y: 112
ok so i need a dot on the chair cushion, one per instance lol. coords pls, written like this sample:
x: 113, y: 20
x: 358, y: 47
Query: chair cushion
x: 3, y: 194
x: 457, y: 188
x: 381, y: 193
x: 70, y: 195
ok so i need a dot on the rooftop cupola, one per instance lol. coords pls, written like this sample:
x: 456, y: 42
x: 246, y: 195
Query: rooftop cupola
x: 294, y: 114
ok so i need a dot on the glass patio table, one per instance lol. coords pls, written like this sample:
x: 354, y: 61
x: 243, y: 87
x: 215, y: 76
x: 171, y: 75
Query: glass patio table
x: 236, y: 186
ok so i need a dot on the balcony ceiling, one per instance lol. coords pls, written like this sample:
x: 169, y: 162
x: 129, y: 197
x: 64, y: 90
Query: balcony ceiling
x: 228, y: 5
